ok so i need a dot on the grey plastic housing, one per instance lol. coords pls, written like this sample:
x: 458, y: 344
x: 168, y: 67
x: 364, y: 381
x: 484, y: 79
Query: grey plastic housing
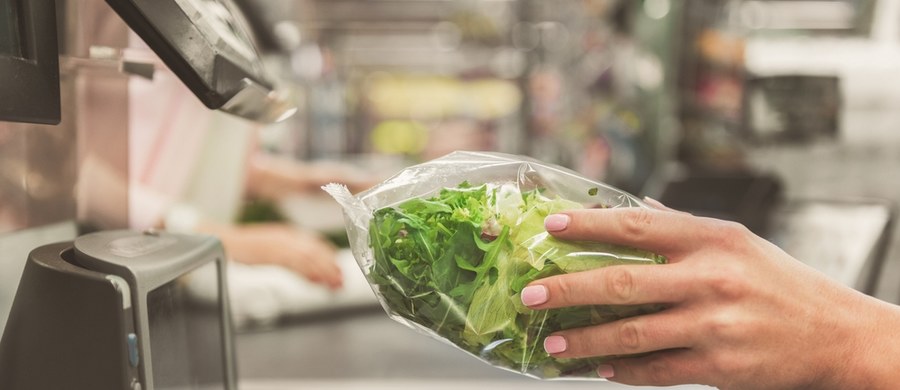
x: 77, y: 302
x: 221, y: 66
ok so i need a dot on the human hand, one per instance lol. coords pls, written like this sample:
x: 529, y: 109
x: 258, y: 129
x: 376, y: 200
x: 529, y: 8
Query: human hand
x: 741, y: 313
x: 303, y: 252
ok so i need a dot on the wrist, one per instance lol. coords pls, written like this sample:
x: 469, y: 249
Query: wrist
x: 872, y: 350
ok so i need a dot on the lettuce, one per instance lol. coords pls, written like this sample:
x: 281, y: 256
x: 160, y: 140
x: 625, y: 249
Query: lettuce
x: 456, y: 263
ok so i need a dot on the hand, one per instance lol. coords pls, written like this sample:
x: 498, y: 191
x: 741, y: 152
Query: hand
x: 741, y: 313
x: 303, y: 252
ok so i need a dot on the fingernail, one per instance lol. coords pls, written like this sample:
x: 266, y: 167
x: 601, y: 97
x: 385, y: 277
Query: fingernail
x: 534, y: 295
x: 554, y: 344
x: 655, y: 204
x: 605, y: 371
x: 556, y: 222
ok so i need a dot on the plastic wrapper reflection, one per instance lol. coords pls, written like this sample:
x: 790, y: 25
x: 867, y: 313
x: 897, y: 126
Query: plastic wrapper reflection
x: 448, y: 246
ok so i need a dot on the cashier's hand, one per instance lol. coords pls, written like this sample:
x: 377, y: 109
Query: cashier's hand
x: 741, y: 313
x: 303, y: 252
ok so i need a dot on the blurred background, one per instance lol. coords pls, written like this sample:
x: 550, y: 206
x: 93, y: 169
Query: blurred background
x: 782, y: 115
x: 778, y: 114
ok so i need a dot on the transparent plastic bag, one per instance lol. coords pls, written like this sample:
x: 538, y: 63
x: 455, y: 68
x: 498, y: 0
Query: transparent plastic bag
x: 449, y: 244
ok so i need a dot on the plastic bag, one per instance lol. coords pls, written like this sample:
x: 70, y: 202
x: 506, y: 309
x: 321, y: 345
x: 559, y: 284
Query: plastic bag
x: 449, y: 244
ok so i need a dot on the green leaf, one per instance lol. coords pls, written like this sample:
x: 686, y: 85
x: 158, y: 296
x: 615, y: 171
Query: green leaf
x: 491, y: 309
x: 446, y: 272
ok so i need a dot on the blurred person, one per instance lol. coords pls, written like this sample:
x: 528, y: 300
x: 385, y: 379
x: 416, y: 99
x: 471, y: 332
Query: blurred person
x: 191, y: 169
x: 740, y: 313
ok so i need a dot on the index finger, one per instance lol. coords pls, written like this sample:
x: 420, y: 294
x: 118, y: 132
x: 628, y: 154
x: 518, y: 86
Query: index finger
x: 665, y: 233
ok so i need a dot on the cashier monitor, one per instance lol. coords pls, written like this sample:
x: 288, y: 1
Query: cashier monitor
x: 121, y: 310
x: 29, y: 62
x: 209, y: 45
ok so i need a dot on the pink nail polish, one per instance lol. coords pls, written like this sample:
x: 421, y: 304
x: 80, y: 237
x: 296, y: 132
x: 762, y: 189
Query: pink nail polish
x: 555, y: 344
x: 605, y: 371
x: 556, y: 222
x: 534, y: 295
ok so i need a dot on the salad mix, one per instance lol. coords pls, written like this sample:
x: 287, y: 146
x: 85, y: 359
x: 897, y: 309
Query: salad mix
x: 455, y: 262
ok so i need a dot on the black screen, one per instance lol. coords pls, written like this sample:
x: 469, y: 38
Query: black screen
x: 186, y: 336
x: 10, y: 36
x: 29, y: 62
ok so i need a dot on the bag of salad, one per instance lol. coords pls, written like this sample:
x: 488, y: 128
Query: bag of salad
x: 449, y: 244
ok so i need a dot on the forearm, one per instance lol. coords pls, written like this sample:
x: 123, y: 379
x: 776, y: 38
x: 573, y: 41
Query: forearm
x: 274, y: 177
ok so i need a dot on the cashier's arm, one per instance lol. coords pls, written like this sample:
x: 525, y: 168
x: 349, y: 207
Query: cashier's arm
x: 272, y: 177
x: 740, y: 313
